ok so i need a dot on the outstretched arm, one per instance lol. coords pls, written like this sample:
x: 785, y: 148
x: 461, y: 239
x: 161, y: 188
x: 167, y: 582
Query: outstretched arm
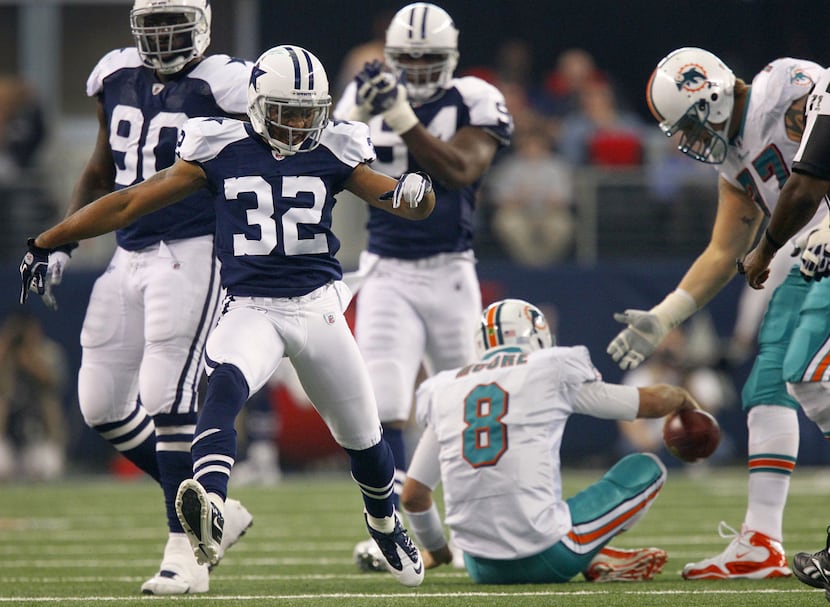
x: 119, y: 209
x: 735, y: 226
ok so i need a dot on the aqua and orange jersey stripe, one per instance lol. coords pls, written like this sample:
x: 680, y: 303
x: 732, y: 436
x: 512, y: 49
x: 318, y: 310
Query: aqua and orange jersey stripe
x: 822, y: 367
x: 771, y: 462
x: 611, y: 526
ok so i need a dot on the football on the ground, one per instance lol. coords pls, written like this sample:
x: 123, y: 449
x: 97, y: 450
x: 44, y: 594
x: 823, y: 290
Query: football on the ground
x: 691, y: 434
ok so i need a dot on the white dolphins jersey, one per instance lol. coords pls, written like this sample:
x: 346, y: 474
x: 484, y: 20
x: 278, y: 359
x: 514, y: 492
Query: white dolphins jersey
x: 759, y: 159
x: 499, y: 425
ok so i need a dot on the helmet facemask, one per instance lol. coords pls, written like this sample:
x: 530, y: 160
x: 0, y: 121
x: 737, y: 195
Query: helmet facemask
x: 289, y: 125
x: 698, y: 139
x: 169, y: 37
x: 423, y: 73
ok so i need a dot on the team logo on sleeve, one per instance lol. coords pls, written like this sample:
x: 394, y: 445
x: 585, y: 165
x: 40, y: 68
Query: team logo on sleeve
x: 690, y: 78
x: 800, y: 77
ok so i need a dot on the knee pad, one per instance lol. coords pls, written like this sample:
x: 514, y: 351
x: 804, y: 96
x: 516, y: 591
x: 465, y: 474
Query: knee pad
x: 637, y: 471
x: 104, y: 394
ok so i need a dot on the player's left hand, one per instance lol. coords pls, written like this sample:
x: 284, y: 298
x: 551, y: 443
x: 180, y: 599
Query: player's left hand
x: 442, y: 556
x: 815, y: 253
x: 755, y: 266
x: 638, y: 341
x: 377, y: 88
x: 33, y: 270
x: 411, y: 188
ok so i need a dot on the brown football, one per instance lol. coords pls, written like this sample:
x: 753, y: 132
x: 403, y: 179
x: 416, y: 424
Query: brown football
x: 691, y: 434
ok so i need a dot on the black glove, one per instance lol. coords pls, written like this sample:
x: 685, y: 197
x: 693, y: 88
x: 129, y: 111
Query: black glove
x: 33, y: 270
x: 377, y: 88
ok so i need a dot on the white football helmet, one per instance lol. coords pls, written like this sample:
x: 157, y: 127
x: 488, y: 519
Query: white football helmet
x: 513, y: 322
x: 422, y: 49
x: 170, y: 33
x: 693, y: 91
x: 288, y: 99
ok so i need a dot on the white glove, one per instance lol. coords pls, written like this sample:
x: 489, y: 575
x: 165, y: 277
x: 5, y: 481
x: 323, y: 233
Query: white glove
x: 411, y: 188
x: 58, y: 262
x: 646, y: 329
x: 638, y: 341
x: 815, y: 252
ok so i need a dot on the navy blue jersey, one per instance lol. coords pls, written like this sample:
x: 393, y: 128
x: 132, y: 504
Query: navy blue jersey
x: 466, y: 101
x: 144, y: 116
x: 274, y: 213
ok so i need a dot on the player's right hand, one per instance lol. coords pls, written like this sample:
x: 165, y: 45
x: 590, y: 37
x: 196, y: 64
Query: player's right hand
x: 377, y: 88
x: 33, y: 270
x: 638, y: 341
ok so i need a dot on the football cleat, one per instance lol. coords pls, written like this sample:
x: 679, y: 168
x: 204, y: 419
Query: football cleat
x: 202, y: 521
x: 179, y: 572
x: 750, y: 555
x: 367, y: 556
x: 237, y: 521
x: 814, y: 569
x: 401, y: 557
x: 618, y: 565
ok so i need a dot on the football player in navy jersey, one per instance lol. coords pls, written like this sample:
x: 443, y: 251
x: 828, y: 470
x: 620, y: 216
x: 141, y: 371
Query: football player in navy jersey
x: 273, y: 182
x: 150, y: 312
x: 420, y: 298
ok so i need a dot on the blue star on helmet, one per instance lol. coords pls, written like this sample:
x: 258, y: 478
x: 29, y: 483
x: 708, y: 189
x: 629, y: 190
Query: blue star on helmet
x: 256, y: 72
x: 689, y: 76
x: 236, y: 60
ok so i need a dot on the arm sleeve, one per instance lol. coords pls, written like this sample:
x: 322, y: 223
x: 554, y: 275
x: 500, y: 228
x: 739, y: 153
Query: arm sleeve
x: 425, y: 466
x: 607, y: 401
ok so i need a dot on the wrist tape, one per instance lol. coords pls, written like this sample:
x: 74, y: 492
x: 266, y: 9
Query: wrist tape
x: 426, y: 527
x: 400, y: 117
x: 675, y: 308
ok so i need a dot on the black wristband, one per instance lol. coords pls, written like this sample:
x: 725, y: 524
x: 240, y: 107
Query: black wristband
x: 33, y: 247
x: 67, y: 248
x: 771, y: 241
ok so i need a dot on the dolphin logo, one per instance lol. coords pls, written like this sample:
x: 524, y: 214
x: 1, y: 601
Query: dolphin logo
x: 688, y: 78
x: 800, y: 77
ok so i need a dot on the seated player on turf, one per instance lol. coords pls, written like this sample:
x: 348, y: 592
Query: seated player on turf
x: 493, y: 431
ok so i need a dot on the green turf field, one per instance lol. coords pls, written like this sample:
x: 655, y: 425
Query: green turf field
x: 93, y: 542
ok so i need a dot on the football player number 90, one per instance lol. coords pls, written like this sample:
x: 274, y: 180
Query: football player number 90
x: 126, y: 126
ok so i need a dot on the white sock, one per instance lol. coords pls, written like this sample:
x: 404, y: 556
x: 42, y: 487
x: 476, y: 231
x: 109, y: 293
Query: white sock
x: 772, y: 449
